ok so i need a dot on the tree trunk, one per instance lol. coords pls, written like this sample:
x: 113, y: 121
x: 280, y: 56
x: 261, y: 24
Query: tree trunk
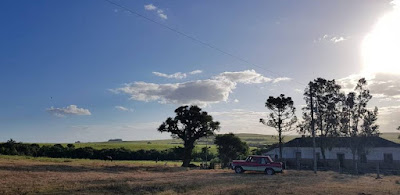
x: 323, y: 156
x: 280, y: 139
x: 322, y: 146
x: 355, y: 165
x: 187, y: 154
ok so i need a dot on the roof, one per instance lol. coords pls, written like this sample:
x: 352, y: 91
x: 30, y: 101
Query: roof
x: 261, y: 156
x: 341, y: 142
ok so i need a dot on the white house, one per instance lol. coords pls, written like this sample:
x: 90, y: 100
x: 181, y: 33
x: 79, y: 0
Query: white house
x: 338, y: 152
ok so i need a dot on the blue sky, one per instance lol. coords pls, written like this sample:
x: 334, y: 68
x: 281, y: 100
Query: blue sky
x: 86, y: 70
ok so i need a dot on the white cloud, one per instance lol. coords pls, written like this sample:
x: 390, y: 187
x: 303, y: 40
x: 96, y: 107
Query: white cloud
x: 381, y: 85
x: 337, y: 39
x: 177, y: 75
x: 69, y: 110
x: 150, y: 7
x: 388, y: 118
x: 160, y: 12
x: 200, y: 92
x: 281, y: 79
x: 193, y: 92
x: 331, y: 38
x: 236, y: 101
x: 121, y: 108
x: 196, y: 72
x: 247, y: 76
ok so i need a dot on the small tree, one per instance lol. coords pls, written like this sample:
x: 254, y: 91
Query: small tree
x: 282, y: 116
x: 189, y: 124
x: 230, y: 147
x: 398, y: 128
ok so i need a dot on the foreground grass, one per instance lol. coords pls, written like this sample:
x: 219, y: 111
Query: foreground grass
x: 90, y: 161
x: 32, y: 176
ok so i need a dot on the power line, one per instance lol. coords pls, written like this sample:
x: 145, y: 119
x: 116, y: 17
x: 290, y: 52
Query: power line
x: 195, y: 39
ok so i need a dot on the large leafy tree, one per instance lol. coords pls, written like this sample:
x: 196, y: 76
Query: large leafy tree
x: 326, y: 99
x: 189, y: 124
x: 230, y: 147
x: 282, y: 116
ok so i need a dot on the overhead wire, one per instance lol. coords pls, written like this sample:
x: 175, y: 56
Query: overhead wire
x: 206, y: 44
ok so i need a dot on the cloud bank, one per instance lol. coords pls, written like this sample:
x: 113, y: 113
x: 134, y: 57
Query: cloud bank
x: 381, y: 85
x: 200, y: 92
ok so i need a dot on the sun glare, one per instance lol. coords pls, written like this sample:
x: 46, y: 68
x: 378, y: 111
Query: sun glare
x: 381, y: 47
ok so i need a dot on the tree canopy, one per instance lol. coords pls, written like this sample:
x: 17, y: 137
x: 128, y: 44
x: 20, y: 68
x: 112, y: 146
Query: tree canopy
x: 189, y: 124
x: 282, y: 116
x: 230, y: 147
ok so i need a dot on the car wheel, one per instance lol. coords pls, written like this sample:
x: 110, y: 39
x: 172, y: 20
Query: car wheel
x: 269, y: 171
x: 238, y: 170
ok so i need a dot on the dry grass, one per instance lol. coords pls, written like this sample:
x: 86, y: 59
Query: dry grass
x: 27, y: 176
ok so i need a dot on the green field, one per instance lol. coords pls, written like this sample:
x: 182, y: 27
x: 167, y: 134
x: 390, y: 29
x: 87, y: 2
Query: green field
x: 253, y: 140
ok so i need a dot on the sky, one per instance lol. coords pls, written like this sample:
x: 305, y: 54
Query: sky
x: 92, y: 71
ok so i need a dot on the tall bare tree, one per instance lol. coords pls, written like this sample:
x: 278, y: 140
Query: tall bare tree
x: 282, y: 116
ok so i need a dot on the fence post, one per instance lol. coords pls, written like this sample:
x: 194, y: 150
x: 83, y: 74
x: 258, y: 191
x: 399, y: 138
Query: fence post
x: 356, y: 168
x: 378, y: 176
x: 340, y: 168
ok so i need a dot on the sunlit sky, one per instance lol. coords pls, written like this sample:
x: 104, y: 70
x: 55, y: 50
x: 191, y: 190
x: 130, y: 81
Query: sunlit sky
x: 92, y: 71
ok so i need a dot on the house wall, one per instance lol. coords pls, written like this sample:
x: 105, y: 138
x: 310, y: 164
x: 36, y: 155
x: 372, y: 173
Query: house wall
x: 374, y: 156
x: 307, y: 153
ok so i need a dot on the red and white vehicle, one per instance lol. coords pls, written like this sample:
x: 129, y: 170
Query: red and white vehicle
x: 257, y: 163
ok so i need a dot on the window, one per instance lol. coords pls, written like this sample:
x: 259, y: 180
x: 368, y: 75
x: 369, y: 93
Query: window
x: 249, y: 159
x: 388, y: 158
x: 263, y: 161
x: 256, y: 160
x: 363, y: 158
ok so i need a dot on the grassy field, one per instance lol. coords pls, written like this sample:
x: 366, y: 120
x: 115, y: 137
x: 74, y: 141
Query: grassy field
x: 44, y: 176
x: 251, y: 139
